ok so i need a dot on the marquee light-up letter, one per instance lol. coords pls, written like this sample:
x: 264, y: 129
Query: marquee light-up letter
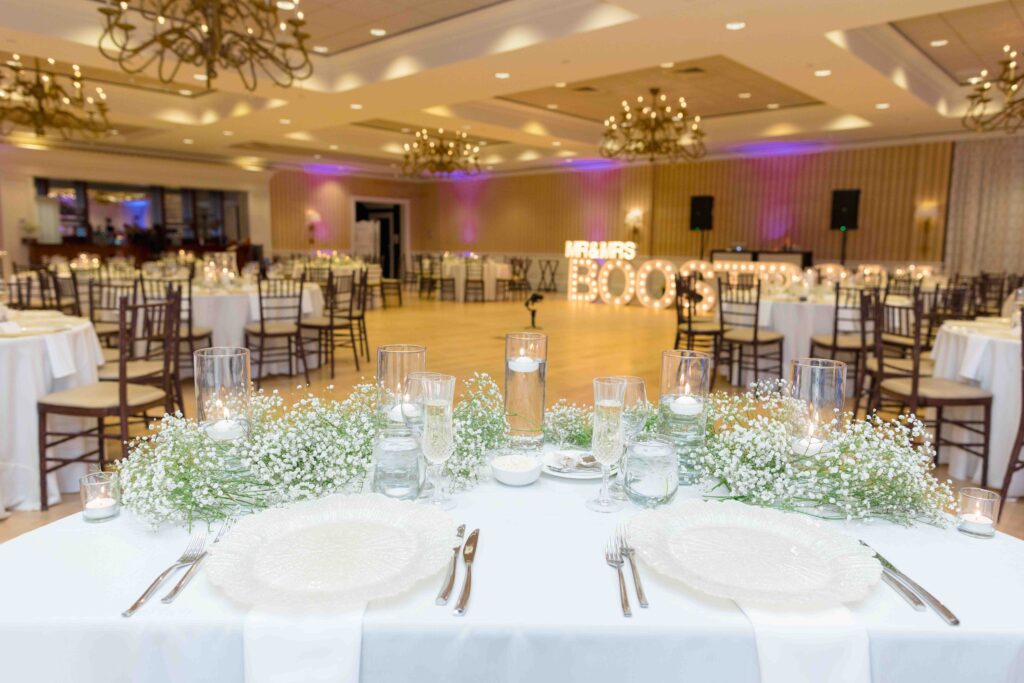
x: 582, y: 285
x: 603, y: 282
x: 668, y: 271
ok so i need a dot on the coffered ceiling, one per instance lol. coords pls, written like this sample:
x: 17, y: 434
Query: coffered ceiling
x: 843, y: 72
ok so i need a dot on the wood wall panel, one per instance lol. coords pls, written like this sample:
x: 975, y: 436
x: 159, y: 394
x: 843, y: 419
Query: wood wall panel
x: 762, y: 203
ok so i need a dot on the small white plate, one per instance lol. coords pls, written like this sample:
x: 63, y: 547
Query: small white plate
x: 551, y: 459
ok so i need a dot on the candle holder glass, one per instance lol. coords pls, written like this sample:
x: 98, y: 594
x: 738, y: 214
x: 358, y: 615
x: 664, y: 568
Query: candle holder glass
x: 979, y: 510
x: 394, y: 364
x: 682, y: 413
x: 817, y: 388
x: 526, y: 360
x: 101, y: 496
x: 223, y: 388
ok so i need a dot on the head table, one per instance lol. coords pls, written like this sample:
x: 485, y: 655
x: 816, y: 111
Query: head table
x: 544, y: 608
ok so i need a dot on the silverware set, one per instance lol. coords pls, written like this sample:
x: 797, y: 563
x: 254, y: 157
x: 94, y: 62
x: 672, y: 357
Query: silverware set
x: 911, y: 591
x: 191, y: 557
x: 468, y: 555
x: 618, y: 546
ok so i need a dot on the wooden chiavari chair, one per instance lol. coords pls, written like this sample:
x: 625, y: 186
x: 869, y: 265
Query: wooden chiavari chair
x: 847, y: 340
x: 756, y: 349
x: 123, y: 399
x: 899, y: 286
x: 1016, y: 461
x: 104, y: 304
x: 520, y: 282
x: 694, y: 331
x: 990, y: 291
x: 446, y: 285
x: 474, y: 285
x: 548, y: 274
x: 280, y: 304
x: 336, y: 328
x: 357, y: 315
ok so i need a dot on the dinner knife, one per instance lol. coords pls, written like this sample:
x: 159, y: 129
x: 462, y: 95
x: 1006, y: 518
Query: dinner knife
x: 910, y: 596
x: 914, y: 586
x: 449, y: 581
x: 468, y: 553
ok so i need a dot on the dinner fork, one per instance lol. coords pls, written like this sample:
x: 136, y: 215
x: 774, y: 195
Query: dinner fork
x: 192, y: 552
x: 630, y: 553
x: 184, y: 580
x: 614, y: 559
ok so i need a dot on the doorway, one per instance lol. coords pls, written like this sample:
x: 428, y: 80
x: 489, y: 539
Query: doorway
x: 389, y: 216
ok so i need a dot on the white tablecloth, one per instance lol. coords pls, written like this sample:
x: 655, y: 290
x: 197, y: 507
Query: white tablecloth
x: 228, y: 312
x: 990, y: 357
x: 31, y: 367
x: 544, y: 608
x: 492, y: 272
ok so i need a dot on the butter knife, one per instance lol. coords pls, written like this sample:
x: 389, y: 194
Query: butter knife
x: 915, y: 587
x: 468, y: 553
x: 449, y: 581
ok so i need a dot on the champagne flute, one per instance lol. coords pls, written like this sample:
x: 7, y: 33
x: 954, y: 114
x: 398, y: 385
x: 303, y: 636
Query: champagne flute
x: 432, y: 396
x: 634, y: 416
x: 607, y: 439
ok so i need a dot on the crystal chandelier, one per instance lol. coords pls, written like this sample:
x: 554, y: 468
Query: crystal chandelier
x: 440, y: 153
x: 653, y: 128
x: 248, y: 36
x: 1003, y: 92
x: 43, y: 100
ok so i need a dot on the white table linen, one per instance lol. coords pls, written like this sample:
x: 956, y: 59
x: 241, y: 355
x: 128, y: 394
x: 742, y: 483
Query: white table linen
x: 316, y: 649
x: 31, y: 367
x: 990, y: 356
x: 492, y: 272
x: 545, y: 607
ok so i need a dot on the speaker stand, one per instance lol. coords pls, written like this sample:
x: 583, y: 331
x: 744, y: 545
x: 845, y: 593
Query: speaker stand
x: 842, y: 250
x: 701, y: 245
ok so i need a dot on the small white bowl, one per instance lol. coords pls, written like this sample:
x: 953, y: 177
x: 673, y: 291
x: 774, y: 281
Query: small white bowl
x: 509, y: 470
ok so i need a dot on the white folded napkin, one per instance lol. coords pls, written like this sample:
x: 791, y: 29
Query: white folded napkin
x: 810, y: 646
x: 58, y: 351
x: 303, y: 649
x: 10, y: 328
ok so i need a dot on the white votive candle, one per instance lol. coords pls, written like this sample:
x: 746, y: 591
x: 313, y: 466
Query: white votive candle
x: 808, y: 445
x: 100, y: 508
x: 686, y: 405
x: 523, y: 364
x: 977, y: 524
x: 225, y: 430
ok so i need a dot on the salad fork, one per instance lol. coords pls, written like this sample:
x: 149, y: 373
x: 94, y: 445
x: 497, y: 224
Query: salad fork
x: 630, y: 553
x: 184, y: 580
x: 613, y: 557
x: 192, y: 552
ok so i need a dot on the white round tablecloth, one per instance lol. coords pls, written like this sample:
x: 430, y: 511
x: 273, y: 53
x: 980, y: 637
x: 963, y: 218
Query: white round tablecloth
x: 31, y: 367
x: 492, y: 273
x: 798, y: 321
x: 227, y: 312
x: 990, y: 356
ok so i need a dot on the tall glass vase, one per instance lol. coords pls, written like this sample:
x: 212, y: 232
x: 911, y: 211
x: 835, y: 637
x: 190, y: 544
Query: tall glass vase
x: 682, y: 408
x: 223, y: 387
x: 526, y: 359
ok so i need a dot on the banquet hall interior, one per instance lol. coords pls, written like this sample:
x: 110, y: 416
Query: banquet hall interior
x: 323, y: 187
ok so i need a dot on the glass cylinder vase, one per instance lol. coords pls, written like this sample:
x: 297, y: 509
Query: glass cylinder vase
x: 818, y: 389
x: 682, y: 412
x: 526, y: 359
x: 223, y: 388
x: 394, y: 364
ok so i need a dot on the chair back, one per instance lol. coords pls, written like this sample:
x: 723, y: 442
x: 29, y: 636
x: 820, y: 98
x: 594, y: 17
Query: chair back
x: 687, y: 300
x: 156, y: 289
x: 902, y: 321
x: 953, y: 302
x: 280, y: 301
x: 148, y: 331
x: 847, y: 318
x: 361, y: 288
x: 318, y: 275
x: 899, y: 285
x: 989, y: 293
x: 105, y: 299
x: 474, y: 270
x: 739, y: 305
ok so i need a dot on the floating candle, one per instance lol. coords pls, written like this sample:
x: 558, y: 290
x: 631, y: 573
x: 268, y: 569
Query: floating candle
x: 523, y: 364
x: 100, y: 508
x: 686, y: 405
x: 976, y: 524
x: 809, y: 445
x: 225, y: 430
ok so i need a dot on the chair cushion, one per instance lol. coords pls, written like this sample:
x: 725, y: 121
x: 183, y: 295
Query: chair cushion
x: 897, y: 340
x: 102, y: 396
x: 934, y: 388
x: 105, y: 328
x: 849, y: 342
x: 273, y: 327
x: 133, y: 369
x: 111, y: 355
x: 745, y: 335
x: 702, y: 327
x: 324, y: 321
x: 900, y: 365
x: 198, y: 331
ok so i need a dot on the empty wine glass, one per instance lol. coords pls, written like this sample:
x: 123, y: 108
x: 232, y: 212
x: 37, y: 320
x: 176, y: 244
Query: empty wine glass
x: 634, y: 416
x: 430, y: 396
x: 607, y: 438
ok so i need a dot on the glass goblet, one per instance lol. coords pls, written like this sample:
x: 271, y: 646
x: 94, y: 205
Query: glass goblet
x: 607, y: 439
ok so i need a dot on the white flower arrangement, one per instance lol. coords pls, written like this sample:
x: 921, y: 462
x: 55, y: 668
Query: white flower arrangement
x: 480, y: 426
x: 872, y: 468
x: 568, y: 424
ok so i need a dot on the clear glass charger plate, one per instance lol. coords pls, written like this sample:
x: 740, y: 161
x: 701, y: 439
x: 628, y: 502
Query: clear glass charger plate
x: 331, y: 554
x: 755, y: 556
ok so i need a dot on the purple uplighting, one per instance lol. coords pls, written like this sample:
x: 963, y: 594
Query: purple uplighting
x: 779, y: 149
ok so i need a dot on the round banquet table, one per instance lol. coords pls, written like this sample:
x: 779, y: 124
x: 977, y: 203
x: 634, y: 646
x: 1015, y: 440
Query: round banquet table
x: 987, y: 354
x: 227, y: 312
x: 32, y: 366
x: 492, y: 273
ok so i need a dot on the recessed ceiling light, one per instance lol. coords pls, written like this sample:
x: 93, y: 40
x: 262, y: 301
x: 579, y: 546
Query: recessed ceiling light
x: 188, y: 141
x: 355, y: 105
x: 199, y: 77
x: 974, y: 80
x: 560, y: 84
x: 333, y: 147
x: 185, y: 91
x: 667, y: 65
x: 773, y: 105
x: 502, y: 75
x: 378, y: 32
x: 736, y: 25
x: 229, y: 133
x: 744, y: 96
x: 882, y: 105
x: 552, y: 106
x: 285, y: 122
x: 285, y: 4
x: 321, y: 49
x: 941, y: 42
x: 823, y: 73
x: 556, y: 143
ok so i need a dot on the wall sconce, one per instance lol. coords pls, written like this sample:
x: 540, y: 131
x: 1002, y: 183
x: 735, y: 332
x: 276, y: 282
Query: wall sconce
x: 926, y: 214
x: 635, y: 221
x: 312, y: 218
